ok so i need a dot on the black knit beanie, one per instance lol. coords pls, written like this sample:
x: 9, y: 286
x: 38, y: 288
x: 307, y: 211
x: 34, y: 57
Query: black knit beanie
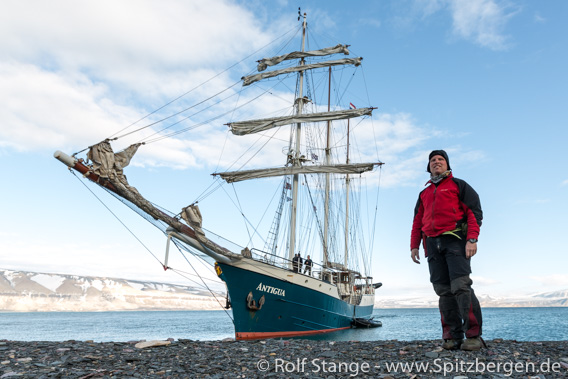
x: 438, y: 152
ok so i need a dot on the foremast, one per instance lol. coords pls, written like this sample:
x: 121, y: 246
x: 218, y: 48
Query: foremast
x: 296, y: 161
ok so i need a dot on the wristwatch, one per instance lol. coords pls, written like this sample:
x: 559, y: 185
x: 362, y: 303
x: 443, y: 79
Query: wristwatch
x: 472, y: 240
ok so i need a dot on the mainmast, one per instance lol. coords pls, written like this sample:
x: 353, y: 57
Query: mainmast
x: 296, y: 160
x: 327, y: 184
x: 347, y: 203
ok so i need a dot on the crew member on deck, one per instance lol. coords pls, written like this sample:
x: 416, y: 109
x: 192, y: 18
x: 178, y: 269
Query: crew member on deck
x: 308, y: 266
x: 295, y: 263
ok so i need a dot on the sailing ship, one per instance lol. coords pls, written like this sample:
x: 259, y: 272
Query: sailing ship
x: 271, y: 293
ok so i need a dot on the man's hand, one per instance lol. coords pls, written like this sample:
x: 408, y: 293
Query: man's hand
x: 415, y: 255
x: 470, y: 249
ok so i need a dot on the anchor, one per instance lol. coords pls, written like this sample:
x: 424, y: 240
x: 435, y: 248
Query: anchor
x: 251, y: 303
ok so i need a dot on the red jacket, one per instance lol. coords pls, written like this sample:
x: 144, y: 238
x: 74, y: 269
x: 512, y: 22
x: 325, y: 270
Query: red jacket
x: 445, y: 207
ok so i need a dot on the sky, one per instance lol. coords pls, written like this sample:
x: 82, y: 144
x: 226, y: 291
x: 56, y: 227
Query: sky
x: 486, y: 80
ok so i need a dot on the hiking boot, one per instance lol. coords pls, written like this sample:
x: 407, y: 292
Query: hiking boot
x: 452, y: 344
x: 472, y: 344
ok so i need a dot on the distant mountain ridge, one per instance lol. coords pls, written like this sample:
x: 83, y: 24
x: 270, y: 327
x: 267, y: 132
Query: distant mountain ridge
x: 23, y: 291
x: 545, y: 299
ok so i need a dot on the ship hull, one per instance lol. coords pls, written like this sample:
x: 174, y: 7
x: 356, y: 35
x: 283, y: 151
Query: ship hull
x: 293, y: 305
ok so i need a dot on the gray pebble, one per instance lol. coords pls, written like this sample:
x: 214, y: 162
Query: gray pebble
x: 240, y: 359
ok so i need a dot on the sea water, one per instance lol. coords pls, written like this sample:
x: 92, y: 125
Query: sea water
x: 522, y: 324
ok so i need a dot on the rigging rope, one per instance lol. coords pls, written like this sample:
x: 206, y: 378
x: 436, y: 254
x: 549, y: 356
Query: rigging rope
x: 201, y: 84
x: 179, y: 272
x: 119, y: 220
x: 205, y: 284
x: 112, y: 137
x: 247, y: 222
x: 180, y: 112
x: 203, y: 122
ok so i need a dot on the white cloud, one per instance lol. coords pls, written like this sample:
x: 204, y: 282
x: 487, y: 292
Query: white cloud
x: 428, y: 7
x: 560, y: 280
x: 484, y: 281
x: 481, y: 21
x: 68, y: 79
x: 43, y: 109
x: 122, y: 42
x: 538, y: 18
x: 395, y: 138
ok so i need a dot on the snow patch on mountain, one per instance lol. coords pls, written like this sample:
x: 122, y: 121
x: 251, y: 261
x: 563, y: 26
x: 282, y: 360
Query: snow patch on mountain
x: 23, y: 291
x: 51, y: 282
x: 545, y: 299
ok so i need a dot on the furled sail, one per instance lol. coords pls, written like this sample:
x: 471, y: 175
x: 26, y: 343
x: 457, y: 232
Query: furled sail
x: 192, y: 215
x: 353, y: 168
x: 107, y: 164
x: 338, y: 49
x: 110, y: 165
x: 264, y: 75
x: 254, y: 126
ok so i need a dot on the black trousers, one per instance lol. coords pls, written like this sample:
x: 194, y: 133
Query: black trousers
x: 449, y: 274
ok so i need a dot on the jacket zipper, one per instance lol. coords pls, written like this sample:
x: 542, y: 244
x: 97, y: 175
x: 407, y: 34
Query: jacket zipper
x: 433, y: 208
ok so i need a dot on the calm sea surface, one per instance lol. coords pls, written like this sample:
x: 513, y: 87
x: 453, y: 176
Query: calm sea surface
x: 523, y: 324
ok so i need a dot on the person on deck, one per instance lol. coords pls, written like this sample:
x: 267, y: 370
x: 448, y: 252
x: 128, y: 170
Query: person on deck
x: 300, y: 263
x: 447, y: 219
x: 308, y: 266
x: 295, y: 263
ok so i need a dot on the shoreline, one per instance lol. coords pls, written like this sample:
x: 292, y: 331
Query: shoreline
x: 224, y: 310
x: 282, y: 358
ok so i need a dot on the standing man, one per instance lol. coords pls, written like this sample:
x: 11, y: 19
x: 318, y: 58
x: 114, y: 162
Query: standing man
x: 308, y: 266
x: 295, y: 263
x: 447, y: 219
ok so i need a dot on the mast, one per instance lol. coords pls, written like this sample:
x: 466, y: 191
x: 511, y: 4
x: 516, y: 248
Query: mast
x: 327, y: 161
x: 347, y: 203
x: 296, y: 161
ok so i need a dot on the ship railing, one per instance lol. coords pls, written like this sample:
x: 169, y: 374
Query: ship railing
x: 318, y: 271
x: 269, y: 258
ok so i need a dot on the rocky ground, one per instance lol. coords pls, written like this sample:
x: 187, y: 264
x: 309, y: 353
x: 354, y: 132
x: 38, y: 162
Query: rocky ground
x: 280, y: 358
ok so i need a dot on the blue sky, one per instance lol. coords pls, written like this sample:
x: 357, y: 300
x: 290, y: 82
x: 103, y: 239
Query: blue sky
x: 483, y: 79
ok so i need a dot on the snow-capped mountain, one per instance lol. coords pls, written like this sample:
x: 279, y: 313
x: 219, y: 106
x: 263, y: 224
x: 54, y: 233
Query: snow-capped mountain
x: 546, y: 299
x: 23, y: 291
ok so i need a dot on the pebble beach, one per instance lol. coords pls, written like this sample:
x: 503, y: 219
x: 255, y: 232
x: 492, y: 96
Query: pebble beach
x: 278, y: 358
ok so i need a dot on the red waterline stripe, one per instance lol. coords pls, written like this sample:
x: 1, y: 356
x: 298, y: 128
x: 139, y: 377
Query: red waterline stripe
x: 263, y: 335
